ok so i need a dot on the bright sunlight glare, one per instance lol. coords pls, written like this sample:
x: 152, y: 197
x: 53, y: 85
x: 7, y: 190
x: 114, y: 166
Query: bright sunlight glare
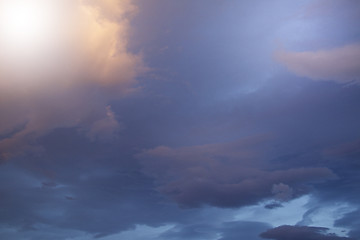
x: 32, y: 33
x: 50, y: 41
x: 25, y: 23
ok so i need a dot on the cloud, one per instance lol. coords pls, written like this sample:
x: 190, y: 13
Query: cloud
x: 113, y: 201
x: 242, y: 230
x: 192, y: 232
x: 105, y: 128
x: 70, y: 81
x: 287, y: 232
x: 225, y: 175
x: 273, y: 205
x: 348, y: 148
x: 340, y: 64
x: 352, y: 221
x: 225, y: 230
x: 282, y: 192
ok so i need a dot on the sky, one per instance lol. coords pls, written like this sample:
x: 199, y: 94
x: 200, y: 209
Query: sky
x: 174, y: 120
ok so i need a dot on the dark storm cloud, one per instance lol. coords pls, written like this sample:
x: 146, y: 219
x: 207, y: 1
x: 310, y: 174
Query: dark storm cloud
x: 343, y: 157
x: 98, y: 204
x: 287, y: 232
x: 87, y: 192
x: 226, y: 175
x: 351, y: 220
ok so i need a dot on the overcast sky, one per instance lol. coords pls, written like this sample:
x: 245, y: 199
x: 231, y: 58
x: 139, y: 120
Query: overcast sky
x: 183, y: 120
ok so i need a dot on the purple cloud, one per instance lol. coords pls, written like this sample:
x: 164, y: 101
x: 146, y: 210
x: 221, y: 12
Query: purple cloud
x: 226, y: 175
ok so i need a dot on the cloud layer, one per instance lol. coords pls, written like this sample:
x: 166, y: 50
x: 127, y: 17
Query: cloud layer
x: 225, y: 175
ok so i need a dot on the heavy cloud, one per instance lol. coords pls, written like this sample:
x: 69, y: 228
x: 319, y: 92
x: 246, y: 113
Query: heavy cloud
x: 226, y: 175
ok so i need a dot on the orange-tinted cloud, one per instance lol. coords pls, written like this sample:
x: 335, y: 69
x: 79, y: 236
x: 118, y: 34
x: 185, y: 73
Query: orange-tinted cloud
x: 339, y: 64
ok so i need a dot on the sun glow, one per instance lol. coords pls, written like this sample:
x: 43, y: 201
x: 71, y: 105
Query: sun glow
x: 63, y: 43
x: 23, y: 21
x: 27, y: 24
x: 33, y: 37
